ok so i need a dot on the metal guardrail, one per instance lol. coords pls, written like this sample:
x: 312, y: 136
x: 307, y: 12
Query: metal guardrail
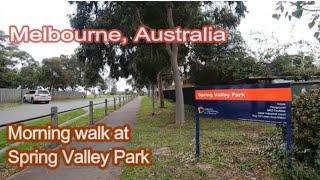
x: 54, y: 111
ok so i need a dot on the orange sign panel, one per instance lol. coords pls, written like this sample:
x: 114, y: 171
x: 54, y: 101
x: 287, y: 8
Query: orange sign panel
x: 259, y: 94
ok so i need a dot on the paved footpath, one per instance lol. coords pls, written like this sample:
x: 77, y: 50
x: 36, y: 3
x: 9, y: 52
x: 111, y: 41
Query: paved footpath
x: 125, y: 115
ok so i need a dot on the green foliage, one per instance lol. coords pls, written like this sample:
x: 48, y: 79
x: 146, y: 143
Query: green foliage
x: 222, y: 63
x: 55, y: 72
x: 52, y: 73
x: 139, y: 60
x: 28, y: 76
x: 74, y: 70
x: 293, y: 65
x: 225, y: 69
x: 10, y: 58
x: 306, y: 135
x: 66, y: 71
x: 147, y: 62
x: 306, y: 128
x: 113, y: 89
x: 300, y: 172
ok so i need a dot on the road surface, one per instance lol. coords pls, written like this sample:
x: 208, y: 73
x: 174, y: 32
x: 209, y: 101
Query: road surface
x: 27, y: 110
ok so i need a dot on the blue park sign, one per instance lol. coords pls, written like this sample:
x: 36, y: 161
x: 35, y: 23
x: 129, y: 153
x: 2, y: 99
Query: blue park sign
x: 267, y: 103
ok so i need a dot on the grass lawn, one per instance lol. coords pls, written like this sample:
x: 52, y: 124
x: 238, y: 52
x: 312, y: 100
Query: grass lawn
x: 98, y: 114
x: 8, y: 105
x: 7, y: 170
x: 229, y: 149
x: 43, y: 121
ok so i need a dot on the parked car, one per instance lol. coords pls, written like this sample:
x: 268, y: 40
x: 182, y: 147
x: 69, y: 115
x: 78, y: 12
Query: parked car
x: 34, y: 96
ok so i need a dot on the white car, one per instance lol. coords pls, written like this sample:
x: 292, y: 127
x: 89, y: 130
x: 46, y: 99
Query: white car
x: 34, y: 96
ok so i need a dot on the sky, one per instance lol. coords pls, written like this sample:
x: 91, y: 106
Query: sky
x: 259, y: 18
x: 36, y: 13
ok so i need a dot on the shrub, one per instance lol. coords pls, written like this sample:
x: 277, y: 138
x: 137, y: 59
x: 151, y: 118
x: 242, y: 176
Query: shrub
x: 306, y: 128
x: 306, y: 140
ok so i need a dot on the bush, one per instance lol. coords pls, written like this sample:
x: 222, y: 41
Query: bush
x: 299, y: 172
x: 306, y: 140
x: 306, y: 128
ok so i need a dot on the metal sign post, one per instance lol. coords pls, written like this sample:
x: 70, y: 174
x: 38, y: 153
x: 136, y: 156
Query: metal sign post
x: 197, y: 126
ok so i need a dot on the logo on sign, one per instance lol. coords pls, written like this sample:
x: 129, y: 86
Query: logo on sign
x: 200, y: 110
x: 207, y: 110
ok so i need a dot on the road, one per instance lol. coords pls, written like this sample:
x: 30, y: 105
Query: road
x: 27, y: 110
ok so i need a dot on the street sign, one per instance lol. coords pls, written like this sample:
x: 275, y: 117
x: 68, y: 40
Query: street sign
x: 268, y: 103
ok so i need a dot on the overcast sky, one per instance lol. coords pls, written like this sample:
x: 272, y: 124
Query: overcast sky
x: 259, y: 18
x: 36, y: 13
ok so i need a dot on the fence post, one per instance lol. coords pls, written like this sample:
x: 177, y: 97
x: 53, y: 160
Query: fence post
x: 54, y: 116
x: 114, y: 104
x: 106, y: 107
x: 91, y: 113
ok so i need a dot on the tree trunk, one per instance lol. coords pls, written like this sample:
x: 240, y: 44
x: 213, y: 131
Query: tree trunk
x: 160, y: 89
x: 173, y: 53
x: 152, y: 92
x: 148, y: 88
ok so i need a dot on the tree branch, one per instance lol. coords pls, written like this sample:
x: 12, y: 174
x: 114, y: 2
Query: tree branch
x: 140, y: 20
x: 169, y: 6
x: 311, y: 10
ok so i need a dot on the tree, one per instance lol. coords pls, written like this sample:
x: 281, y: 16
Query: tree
x: 74, y: 69
x: 114, y: 89
x: 53, y: 74
x: 225, y: 70
x: 148, y: 65
x: 269, y: 47
x: 128, y: 16
x: 102, y: 85
x: 89, y: 66
x: 299, y: 66
x: 10, y: 58
x: 173, y: 54
x: 109, y: 82
x: 188, y: 14
x: 28, y: 76
x: 271, y: 52
x: 222, y: 64
x: 299, y: 9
